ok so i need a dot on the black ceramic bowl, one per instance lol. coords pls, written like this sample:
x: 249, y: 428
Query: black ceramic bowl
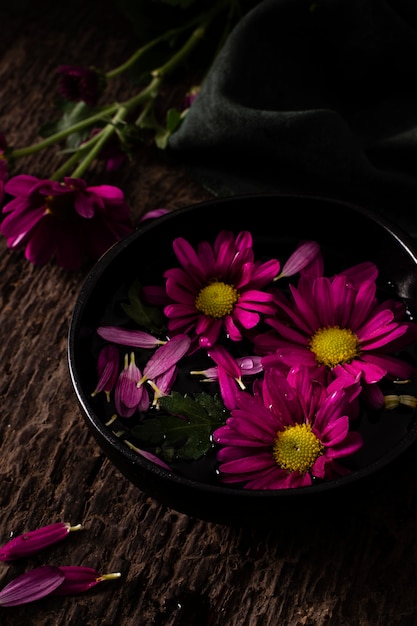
x: 348, y: 235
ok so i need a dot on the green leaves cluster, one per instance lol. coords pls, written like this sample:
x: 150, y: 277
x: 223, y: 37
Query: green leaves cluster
x: 181, y: 431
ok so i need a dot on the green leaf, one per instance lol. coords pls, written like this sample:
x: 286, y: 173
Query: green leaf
x: 173, y: 120
x: 72, y: 112
x: 199, y: 407
x: 184, y: 434
x: 146, y: 316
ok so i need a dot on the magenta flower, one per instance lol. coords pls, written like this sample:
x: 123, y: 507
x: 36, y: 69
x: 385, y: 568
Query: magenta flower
x: 78, y: 579
x: 291, y: 432
x: 31, y: 586
x: 217, y: 288
x: 35, y: 540
x: 337, y: 327
x: 67, y: 220
x: 78, y: 83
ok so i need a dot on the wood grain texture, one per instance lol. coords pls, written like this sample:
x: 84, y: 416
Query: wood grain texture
x: 176, y: 570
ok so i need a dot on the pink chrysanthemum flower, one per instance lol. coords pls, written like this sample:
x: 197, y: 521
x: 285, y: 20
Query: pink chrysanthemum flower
x: 338, y: 327
x: 68, y: 220
x: 290, y: 432
x: 218, y: 287
x: 78, y: 83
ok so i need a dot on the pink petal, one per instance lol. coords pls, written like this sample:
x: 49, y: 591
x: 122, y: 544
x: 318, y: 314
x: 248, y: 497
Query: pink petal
x: 77, y: 579
x: 109, y: 193
x: 35, y: 540
x: 107, y: 368
x: 166, y: 356
x: 151, y: 215
x: 133, y: 338
x: 84, y: 205
x: 304, y: 255
x: 224, y: 359
x: 31, y: 586
x: 20, y: 185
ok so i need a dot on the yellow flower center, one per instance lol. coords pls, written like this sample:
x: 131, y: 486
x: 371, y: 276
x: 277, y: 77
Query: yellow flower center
x: 296, y: 448
x: 334, y: 345
x: 216, y: 300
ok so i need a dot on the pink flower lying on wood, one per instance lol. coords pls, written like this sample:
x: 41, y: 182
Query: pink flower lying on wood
x: 67, y: 220
x: 78, y: 83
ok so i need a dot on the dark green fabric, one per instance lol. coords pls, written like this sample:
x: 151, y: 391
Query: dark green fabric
x: 312, y: 97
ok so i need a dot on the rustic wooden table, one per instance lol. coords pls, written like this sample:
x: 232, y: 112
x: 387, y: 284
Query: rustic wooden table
x: 176, y: 570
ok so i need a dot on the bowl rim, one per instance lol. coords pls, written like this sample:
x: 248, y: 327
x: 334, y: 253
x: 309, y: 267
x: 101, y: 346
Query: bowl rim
x: 97, y: 425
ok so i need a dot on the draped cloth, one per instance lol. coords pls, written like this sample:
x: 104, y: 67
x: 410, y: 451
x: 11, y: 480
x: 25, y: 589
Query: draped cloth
x: 312, y: 97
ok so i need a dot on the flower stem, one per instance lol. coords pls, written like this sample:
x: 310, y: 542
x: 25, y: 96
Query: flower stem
x: 63, y: 134
x: 118, y: 111
x: 175, y: 60
x: 151, y: 44
x: 105, y: 134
